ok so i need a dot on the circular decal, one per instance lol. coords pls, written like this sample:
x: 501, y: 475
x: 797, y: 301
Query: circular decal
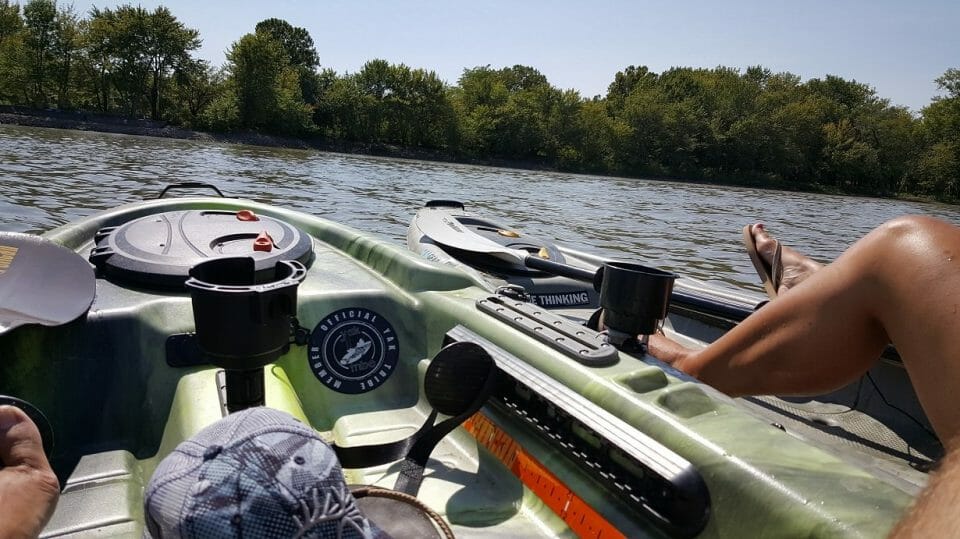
x: 353, y: 350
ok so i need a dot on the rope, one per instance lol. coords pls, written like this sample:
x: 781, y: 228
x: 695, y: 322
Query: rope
x: 406, y: 498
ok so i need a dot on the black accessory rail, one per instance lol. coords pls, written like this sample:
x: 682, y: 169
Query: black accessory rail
x: 640, y: 471
x: 574, y: 340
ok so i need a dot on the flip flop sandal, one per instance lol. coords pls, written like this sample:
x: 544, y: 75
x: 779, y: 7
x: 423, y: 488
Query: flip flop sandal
x: 770, y: 274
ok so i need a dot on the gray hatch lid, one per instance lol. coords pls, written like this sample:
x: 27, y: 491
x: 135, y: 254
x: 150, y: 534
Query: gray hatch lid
x: 157, y: 251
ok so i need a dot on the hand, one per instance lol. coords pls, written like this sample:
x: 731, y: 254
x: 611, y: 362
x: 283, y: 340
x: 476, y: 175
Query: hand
x: 28, y: 487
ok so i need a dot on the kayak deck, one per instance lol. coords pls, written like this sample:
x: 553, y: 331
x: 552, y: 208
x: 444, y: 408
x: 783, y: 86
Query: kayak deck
x: 117, y: 407
x: 875, y: 421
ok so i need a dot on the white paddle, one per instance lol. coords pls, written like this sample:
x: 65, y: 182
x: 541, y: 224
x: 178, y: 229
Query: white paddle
x: 41, y: 282
x: 448, y: 231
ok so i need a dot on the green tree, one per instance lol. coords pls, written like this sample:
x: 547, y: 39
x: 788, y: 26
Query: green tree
x: 950, y: 83
x: 65, y: 50
x: 267, y: 88
x: 196, y: 85
x: 13, y: 75
x: 295, y: 42
x: 10, y: 21
x: 40, y: 25
x: 97, y: 43
x: 168, y: 44
x: 132, y: 52
x: 338, y: 110
x: 936, y: 172
x: 627, y: 81
x: 301, y: 54
x: 116, y: 41
x: 255, y: 64
x: 505, y: 113
x: 941, y: 119
x: 223, y: 112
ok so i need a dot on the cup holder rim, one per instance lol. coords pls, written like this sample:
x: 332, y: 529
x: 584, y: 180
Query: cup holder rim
x: 292, y: 273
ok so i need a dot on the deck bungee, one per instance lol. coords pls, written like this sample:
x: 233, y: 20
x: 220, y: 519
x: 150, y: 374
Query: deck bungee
x: 600, y: 443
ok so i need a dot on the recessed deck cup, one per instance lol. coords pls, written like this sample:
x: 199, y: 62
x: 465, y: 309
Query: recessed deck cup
x: 243, y: 316
x: 634, y: 297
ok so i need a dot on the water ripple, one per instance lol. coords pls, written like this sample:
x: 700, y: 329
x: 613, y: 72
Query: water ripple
x: 50, y: 177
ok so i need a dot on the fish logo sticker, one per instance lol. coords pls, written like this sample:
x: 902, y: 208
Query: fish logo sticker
x: 353, y: 350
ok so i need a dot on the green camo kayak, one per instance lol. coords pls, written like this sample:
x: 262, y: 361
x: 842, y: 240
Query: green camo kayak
x: 576, y: 438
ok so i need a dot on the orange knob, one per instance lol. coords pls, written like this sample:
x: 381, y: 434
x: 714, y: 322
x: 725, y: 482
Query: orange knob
x: 247, y: 215
x: 263, y: 242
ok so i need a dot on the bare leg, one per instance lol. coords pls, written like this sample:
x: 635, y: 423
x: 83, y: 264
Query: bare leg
x: 28, y: 487
x: 935, y: 514
x: 899, y: 284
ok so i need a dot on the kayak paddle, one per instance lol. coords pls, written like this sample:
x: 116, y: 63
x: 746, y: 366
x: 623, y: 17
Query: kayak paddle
x: 41, y: 282
x: 447, y: 231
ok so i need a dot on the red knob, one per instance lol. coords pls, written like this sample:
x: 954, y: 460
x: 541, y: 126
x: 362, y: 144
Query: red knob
x: 263, y: 242
x: 247, y: 215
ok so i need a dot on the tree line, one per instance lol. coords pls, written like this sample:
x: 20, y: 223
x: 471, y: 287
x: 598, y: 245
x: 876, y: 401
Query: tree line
x: 714, y: 125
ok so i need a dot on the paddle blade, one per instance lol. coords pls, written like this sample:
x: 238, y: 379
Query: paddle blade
x: 41, y: 282
x: 446, y: 230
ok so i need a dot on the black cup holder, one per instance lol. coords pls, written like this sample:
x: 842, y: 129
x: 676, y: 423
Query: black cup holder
x: 243, y: 319
x: 634, y: 298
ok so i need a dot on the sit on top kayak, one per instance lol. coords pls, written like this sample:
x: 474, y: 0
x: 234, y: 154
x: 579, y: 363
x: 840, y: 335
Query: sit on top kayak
x: 165, y: 315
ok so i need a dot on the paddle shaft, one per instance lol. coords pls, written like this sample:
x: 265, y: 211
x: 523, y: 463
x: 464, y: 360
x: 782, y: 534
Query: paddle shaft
x: 688, y: 302
x: 556, y: 268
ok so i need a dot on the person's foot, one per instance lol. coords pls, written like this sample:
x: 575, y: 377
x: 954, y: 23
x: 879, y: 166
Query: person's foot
x: 28, y: 487
x: 796, y: 267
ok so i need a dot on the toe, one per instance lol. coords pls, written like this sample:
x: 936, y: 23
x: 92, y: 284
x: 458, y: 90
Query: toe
x: 766, y: 244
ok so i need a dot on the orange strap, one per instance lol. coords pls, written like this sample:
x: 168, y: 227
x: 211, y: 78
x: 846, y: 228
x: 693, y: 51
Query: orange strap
x: 581, y: 518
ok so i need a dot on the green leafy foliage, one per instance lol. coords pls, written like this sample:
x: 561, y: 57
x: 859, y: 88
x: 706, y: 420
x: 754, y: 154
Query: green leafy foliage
x: 130, y: 54
x: 266, y: 86
x: 40, y: 26
x: 707, y: 124
x: 13, y: 60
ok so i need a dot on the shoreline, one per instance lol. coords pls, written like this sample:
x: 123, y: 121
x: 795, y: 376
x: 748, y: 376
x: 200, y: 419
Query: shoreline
x: 54, y: 119
x: 147, y: 128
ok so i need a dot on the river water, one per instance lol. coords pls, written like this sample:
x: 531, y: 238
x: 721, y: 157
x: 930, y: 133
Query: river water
x: 49, y: 177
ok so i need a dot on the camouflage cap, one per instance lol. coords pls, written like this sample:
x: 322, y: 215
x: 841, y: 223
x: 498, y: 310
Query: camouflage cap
x: 255, y: 473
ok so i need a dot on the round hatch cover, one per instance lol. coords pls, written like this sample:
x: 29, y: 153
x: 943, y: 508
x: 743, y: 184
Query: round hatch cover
x: 158, y: 250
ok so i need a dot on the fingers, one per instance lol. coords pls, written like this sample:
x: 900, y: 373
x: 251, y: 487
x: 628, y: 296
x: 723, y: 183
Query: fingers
x: 20, y: 442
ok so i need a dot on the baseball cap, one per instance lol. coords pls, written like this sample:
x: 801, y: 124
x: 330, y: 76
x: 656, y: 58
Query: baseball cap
x: 254, y: 473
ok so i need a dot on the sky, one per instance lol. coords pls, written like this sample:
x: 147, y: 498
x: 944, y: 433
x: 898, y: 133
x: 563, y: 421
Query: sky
x: 897, y: 47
